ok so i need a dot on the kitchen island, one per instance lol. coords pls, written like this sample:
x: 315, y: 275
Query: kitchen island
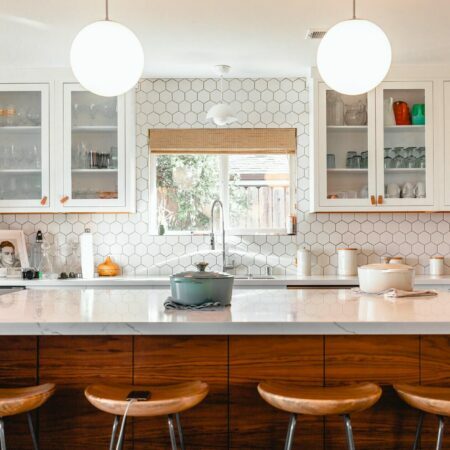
x: 74, y: 337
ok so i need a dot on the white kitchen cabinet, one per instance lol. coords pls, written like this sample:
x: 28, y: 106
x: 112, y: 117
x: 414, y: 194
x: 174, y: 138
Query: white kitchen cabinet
x: 98, y: 152
x: 63, y: 149
x: 397, y: 173
x: 446, y: 154
x: 25, y: 147
x: 408, y: 146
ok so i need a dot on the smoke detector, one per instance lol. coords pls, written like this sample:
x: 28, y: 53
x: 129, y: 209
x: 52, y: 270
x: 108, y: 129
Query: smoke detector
x: 315, y: 33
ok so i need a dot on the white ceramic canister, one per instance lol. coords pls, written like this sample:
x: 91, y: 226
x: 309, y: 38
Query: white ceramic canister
x: 347, y: 261
x: 437, y: 265
x: 303, y: 262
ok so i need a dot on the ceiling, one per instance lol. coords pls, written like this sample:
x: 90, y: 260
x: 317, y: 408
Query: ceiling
x: 185, y: 38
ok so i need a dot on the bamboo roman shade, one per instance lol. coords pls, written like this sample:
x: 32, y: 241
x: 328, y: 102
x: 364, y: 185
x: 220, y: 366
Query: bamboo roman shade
x: 223, y: 141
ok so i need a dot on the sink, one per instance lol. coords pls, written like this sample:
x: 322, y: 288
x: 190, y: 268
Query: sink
x: 254, y: 277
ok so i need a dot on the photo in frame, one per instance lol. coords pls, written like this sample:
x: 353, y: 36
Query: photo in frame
x: 13, y: 253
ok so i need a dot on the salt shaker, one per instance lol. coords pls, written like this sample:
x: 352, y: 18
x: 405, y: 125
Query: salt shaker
x: 347, y: 261
x: 303, y: 262
x: 437, y: 265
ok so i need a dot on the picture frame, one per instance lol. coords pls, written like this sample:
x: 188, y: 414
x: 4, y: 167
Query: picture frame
x: 13, y: 252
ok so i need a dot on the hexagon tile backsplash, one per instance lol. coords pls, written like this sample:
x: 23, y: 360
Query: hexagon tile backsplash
x: 260, y: 103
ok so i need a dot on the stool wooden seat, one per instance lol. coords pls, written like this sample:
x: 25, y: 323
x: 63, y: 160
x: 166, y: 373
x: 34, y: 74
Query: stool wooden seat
x: 15, y: 401
x: 319, y: 401
x: 164, y: 400
x: 427, y: 399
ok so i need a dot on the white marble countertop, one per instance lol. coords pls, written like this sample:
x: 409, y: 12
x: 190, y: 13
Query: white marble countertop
x: 158, y: 281
x: 253, y: 311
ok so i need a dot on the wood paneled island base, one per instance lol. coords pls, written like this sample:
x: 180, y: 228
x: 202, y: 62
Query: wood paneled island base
x: 233, y: 416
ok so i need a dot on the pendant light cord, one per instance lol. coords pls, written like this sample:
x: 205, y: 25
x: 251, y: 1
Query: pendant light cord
x: 107, y: 9
x: 354, y: 9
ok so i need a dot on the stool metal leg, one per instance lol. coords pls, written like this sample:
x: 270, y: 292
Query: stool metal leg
x: 180, y: 431
x: 113, y: 433
x: 418, y: 431
x: 291, y: 432
x: 349, y: 432
x: 440, y: 433
x: 33, y: 435
x: 121, y: 438
x: 2, y: 435
x: 173, y: 438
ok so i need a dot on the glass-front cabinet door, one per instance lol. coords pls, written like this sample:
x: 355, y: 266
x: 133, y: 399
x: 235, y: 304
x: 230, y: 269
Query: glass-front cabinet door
x: 404, y: 144
x: 24, y: 147
x: 346, y: 156
x: 94, y: 149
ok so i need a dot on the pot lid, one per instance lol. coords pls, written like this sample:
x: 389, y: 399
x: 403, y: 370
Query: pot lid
x: 201, y: 273
x: 399, y: 267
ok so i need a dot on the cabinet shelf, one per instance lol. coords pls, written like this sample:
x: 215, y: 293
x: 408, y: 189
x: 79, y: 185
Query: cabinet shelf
x: 347, y: 170
x: 94, y: 128
x: 21, y: 129
x: 406, y: 170
x: 404, y: 128
x: 20, y: 170
x: 347, y: 127
x: 94, y: 170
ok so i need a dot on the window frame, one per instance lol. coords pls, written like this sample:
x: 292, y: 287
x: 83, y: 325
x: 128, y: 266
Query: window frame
x: 223, y: 196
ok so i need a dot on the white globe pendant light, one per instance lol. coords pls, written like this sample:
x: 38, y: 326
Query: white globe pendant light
x: 221, y: 113
x: 354, y: 56
x: 107, y: 57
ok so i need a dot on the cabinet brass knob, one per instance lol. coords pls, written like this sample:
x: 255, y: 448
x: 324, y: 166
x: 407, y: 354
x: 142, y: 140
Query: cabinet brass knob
x: 380, y: 199
x: 64, y: 199
x: 372, y: 200
x: 44, y: 200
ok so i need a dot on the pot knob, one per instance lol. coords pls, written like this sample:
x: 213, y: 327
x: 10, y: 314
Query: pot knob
x: 201, y: 266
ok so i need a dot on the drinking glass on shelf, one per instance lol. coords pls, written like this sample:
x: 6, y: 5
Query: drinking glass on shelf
x: 364, y: 160
x: 356, y: 162
x: 34, y: 117
x: 331, y: 161
x: 93, y: 112
x: 349, y: 159
x: 388, y: 162
x: 399, y: 162
x: 10, y: 115
x: 411, y: 161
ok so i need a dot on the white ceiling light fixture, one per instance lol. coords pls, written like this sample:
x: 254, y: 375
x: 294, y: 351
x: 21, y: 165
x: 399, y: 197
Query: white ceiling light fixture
x: 221, y: 114
x: 107, y: 57
x: 354, y: 56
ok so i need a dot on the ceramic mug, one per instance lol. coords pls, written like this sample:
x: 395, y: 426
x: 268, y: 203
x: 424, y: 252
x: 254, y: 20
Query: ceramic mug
x: 393, y: 190
x: 418, y: 114
x: 420, y: 190
x: 408, y: 190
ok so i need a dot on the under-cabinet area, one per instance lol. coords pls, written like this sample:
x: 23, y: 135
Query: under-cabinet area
x: 233, y: 415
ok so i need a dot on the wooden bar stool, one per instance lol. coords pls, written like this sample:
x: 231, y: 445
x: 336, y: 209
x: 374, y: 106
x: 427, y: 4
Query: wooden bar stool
x: 164, y: 400
x: 320, y: 401
x: 15, y: 401
x: 427, y: 399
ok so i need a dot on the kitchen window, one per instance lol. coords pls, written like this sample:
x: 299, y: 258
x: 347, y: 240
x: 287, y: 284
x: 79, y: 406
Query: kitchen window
x: 252, y: 171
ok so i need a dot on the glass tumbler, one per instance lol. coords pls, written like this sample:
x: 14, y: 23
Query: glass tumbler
x: 331, y: 161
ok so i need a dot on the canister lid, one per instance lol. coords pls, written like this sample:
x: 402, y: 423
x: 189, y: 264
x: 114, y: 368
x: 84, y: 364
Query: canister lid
x: 347, y: 249
x: 437, y: 257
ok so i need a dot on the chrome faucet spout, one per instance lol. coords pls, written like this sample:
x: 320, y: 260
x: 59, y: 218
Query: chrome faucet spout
x: 213, y: 246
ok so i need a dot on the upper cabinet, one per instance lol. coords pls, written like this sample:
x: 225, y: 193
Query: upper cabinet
x: 373, y: 152
x: 63, y: 149
x: 24, y: 147
x: 405, y: 157
x: 95, y: 175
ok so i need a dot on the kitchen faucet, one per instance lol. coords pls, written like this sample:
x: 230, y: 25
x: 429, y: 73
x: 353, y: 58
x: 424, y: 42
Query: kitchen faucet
x: 225, y: 267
